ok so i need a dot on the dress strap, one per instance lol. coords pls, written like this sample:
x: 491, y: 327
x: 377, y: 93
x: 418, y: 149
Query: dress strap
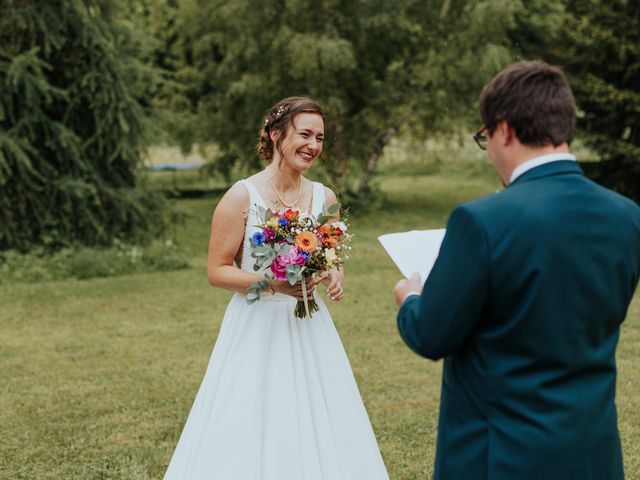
x: 246, y: 185
x: 255, y: 199
x: 254, y: 195
x: 317, y: 204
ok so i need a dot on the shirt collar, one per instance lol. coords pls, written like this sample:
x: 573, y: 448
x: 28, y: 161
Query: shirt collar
x: 537, y: 161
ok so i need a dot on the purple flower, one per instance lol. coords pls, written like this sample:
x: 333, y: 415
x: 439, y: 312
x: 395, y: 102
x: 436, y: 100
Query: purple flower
x: 257, y: 238
x: 283, y: 222
x: 304, y: 255
x: 269, y: 235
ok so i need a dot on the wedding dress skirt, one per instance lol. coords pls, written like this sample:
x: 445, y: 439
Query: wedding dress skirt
x: 278, y: 402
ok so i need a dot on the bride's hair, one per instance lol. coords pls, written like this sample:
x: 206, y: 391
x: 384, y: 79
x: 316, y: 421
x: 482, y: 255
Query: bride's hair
x: 279, y: 118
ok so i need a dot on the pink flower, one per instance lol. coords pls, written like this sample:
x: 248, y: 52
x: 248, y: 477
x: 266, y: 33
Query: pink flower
x: 279, y: 264
x: 269, y: 235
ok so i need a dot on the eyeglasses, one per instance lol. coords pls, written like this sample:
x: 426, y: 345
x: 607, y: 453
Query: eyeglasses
x: 480, y: 138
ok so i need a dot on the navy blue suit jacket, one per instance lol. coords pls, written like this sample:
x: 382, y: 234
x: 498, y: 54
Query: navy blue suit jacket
x: 525, y: 303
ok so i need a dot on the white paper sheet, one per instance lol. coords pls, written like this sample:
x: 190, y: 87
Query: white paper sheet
x: 414, y: 251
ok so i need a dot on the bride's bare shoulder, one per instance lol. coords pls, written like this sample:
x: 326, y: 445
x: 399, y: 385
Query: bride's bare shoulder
x: 236, y: 199
x: 329, y: 197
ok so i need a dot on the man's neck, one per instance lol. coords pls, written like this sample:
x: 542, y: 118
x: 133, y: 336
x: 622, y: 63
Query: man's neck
x: 523, y: 153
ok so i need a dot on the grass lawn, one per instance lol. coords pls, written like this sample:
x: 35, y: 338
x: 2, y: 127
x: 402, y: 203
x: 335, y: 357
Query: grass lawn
x: 97, y: 376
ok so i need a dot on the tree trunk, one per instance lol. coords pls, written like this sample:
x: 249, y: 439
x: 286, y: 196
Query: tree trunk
x: 445, y: 8
x: 340, y: 153
x: 443, y: 13
x: 382, y: 141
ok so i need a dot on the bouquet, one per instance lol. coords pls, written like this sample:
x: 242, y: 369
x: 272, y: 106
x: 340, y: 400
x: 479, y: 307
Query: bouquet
x: 294, y: 246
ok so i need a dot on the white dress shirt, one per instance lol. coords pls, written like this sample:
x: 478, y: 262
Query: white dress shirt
x: 537, y: 161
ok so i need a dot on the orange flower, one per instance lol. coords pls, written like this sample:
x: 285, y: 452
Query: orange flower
x: 289, y: 214
x: 330, y: 241
x: 329, y: 236
x: 324, y: 230
x: 306, y: 241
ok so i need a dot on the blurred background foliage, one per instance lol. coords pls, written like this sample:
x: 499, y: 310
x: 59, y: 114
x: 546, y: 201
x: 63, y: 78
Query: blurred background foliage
x: 75, y: 100
x: 87, y: 86
x: 597, y: 42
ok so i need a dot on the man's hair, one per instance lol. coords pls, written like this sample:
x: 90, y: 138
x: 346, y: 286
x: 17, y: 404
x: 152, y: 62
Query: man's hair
x: 535, y: 99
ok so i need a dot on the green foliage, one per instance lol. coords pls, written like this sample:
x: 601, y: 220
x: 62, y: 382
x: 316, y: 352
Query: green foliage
x: 598, y: 44
x: 82, y: 262
x: 380, y: 68
x: 73, y: 106
x: 256, y: 288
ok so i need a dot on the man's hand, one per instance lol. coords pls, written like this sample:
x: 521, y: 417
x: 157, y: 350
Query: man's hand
x: 405, y: 286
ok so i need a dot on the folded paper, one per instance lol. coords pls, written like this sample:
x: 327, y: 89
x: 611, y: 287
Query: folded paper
x: 414, y: 251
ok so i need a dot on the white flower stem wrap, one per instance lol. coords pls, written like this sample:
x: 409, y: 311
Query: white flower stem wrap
x: 304, y: 296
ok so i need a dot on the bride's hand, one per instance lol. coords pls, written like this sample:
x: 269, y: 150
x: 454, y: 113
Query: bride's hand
x: 334, y: 280
x: 284, y: 287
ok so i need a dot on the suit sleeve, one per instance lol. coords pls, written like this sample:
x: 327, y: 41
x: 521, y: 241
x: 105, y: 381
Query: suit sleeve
x: 437, y: 323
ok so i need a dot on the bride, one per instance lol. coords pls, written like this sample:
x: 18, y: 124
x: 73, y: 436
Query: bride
x: 278, y: 400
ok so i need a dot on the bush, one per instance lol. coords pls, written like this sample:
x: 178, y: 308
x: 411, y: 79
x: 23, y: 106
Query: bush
x: 84, y: 262
x: 75, y: 116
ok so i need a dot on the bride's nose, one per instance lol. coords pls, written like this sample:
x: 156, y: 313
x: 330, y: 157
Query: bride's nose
x: 313, y: 145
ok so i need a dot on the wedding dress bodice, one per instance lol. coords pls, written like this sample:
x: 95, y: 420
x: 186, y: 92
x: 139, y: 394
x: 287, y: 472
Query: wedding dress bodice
x: 253, y: 217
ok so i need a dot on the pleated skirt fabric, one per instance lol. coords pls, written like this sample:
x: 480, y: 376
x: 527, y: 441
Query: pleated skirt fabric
x: 278, y: 402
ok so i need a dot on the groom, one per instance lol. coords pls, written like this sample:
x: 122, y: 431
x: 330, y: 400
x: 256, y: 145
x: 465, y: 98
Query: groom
x: 526, y: 299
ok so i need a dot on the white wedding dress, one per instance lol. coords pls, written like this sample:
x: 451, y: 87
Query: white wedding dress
x: 278, y: 400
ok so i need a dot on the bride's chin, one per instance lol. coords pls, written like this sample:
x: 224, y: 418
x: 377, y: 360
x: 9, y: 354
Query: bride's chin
x: 306, y: 164
x: 302, y: 166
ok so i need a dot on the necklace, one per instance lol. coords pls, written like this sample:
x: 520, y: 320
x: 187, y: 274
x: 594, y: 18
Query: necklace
x: 288, y: 205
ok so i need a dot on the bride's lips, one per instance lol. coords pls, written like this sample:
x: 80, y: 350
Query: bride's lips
x: 306, y: 156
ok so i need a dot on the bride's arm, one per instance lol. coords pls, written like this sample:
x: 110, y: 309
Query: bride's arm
x: 227, y: 235
x: 335, y: 279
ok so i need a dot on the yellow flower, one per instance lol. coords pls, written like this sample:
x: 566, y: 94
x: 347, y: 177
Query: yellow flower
x: 306, y: 241
x: 330, y: 255
x: 273, y: 222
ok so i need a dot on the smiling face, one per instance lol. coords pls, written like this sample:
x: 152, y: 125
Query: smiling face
x: 302, y: 144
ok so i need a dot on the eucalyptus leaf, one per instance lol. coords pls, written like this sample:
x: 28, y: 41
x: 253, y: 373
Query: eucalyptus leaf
x: 260, y: 285
x: 333, y: 209
x: 292, y: 267
x: 282, y: 249
x: 260, y: 249
x: 261, y: 211
x: 269, y: 215
x: 293, y: 273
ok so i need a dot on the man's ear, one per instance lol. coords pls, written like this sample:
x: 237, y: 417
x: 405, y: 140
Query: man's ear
x: 511, y: 134
x: 507, y: 133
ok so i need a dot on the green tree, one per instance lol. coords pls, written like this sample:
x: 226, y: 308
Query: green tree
x: 380, y: 68
x: 597, y: 42
x: 73, y: 106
